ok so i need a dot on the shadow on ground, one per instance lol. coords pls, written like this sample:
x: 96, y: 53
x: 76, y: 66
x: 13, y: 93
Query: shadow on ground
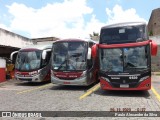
x: 23, y: 83
x: 123, y: 93
x: 71, y: 88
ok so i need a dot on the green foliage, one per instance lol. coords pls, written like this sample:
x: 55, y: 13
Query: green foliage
x: 151, y: 33
x: 94, y: 36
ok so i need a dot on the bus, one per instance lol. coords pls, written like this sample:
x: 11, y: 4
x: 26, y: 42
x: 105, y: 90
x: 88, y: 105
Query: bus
x: 72, y: 63
x: 33, y: 63
x: 124, y: 54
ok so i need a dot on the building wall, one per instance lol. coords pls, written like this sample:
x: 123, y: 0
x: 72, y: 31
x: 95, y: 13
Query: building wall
x: 154, y: 30
x: 154, y: 22
x: 11, y: 39
x: 156, y: 59
x: 45, y: 40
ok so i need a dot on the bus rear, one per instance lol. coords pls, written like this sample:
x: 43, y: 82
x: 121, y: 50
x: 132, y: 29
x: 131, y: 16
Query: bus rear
x: 33, y: 63
x: 72, y: 63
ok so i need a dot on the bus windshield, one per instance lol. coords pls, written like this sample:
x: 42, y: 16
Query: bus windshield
x: 28, y: 60
x: 69, y: 56
x: 123, y: 34
x: 124, y: 59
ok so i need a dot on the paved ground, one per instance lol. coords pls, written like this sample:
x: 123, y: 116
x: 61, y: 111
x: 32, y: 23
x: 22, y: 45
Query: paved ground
x: 17, y: 96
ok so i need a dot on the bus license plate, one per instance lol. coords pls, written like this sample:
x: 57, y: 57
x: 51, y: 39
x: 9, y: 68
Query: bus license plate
x: 124, y: 85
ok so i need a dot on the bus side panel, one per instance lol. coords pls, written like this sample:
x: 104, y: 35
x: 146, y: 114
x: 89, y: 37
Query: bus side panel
x: 45, y: 73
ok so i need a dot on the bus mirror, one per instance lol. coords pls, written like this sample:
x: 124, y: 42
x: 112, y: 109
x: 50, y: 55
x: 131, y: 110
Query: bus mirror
x: 94, y: 51
x: 12, y: 54
x: 44, y: 53
x: 154, y: 48
x: 89, y: 54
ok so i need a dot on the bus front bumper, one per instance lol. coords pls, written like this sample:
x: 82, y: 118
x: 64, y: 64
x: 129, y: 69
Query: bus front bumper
x: 36, y: 78
x: 81, y: 81
x: 144, y: 85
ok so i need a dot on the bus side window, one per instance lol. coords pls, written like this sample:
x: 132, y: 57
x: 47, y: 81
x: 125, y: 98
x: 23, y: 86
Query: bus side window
x: 48, y: 56
x: 90, y: 63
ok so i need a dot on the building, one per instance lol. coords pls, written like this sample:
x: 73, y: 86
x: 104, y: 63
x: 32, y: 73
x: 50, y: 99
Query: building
x: 154, y: 23
x: 154, y: 32
x: 156, y: 59
x: 10, y: 42
x: 45, y: 40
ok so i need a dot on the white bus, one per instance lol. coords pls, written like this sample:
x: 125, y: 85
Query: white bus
x: 72, y: 63
x: 33, y: 63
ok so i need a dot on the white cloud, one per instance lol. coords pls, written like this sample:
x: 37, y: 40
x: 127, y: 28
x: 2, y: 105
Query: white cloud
x: 65, y: 19
x: 94, y: 25
x: 57, y: 19
x: 117, y: 15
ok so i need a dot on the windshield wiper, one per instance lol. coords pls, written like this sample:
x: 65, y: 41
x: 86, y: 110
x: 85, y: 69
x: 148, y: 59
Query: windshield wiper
x: 23, y: 61
x: 130, y: 65
x: 136, y: 69
x: 76, y: 54
x: 62, y: 64
x: 133, y: 67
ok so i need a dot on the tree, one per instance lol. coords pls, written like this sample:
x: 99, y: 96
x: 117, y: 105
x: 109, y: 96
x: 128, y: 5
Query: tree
x: 94, y: 36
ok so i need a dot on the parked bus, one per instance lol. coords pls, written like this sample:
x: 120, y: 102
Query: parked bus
x: 33, y: 63
x: 72, y: 63
x: 124, y: 55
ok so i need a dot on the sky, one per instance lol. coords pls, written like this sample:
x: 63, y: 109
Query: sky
x: 70, y: 18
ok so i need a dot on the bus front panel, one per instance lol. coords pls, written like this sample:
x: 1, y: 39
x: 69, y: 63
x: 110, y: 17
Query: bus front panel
x: 125, y: 68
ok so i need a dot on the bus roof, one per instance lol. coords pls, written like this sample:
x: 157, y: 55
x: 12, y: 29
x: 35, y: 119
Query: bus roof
x: 75, y: 39
x: 123, y: 24
x: 39, y: 47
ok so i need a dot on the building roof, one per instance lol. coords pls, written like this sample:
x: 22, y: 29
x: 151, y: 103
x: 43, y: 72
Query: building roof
x: 44, y: 40
x: 39, y: 47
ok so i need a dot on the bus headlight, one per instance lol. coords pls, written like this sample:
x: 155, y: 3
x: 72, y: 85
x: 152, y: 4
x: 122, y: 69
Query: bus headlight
x: 84, y: 74
x: 33, y: 73
x: 105, y: 79
x: 143, y: 78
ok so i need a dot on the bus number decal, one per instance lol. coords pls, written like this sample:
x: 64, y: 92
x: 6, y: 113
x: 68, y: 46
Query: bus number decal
x: 133, y: 77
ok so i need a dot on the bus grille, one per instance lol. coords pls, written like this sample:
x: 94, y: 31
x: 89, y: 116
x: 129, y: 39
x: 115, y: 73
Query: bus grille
x: 23, y: 79
x: 66, y: 78
x: 132, y: 84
